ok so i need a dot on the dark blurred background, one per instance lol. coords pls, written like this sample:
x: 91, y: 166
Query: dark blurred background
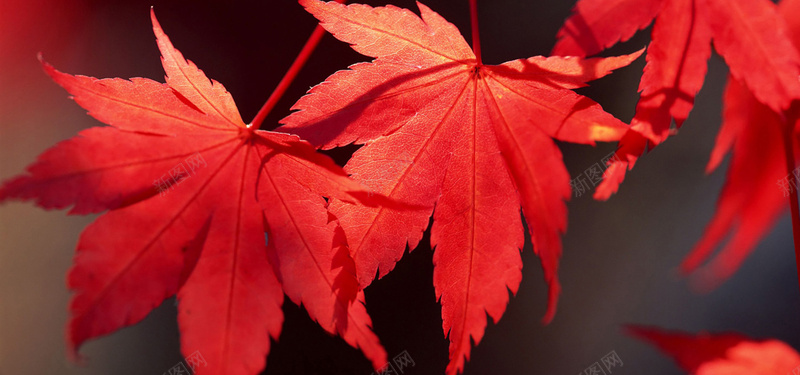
x: 619, y: 257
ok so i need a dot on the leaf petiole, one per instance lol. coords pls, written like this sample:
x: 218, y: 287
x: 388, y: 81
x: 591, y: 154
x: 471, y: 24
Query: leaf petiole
x: 476, y: 40
x: 290, y: 75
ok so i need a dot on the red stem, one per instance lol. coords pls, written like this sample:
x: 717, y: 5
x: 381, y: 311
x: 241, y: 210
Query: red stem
x: 476, y: 40
x: 290, y: 75
x: 284, y: 84
x: 788, y: 141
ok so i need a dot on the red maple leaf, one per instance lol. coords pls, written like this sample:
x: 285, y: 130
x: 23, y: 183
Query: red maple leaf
x: 749, y: 34
x: 441, y: 128
x: 190, y: 190
x: 758, y: 181
x: 722, y: 354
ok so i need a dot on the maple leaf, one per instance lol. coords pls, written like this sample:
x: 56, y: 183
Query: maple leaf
x: 749, y: 34
x: 443, y: 129
x: 757, y: 185
x: 190, y: 190
x: 722, y: 354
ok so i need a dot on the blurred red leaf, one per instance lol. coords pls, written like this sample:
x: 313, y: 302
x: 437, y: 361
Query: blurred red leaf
x: 749, y: 34
x: 758, y: 181
x: 723, y: 354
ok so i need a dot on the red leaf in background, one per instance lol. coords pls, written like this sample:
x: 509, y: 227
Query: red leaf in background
x: 723, y: 354
x: 474, y: 140
x: 190, y: 190
x: 752, y: 198
x: 749, y: 34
